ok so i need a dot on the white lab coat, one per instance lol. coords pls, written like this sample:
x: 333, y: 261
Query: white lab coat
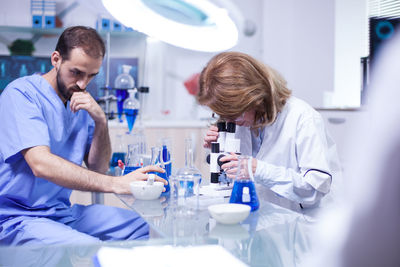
x: 297, y: 160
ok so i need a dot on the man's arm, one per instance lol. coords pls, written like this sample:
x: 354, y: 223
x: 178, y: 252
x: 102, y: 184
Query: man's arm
x: 100, y: 150
x: 55, y: 169
x: 98, y: 158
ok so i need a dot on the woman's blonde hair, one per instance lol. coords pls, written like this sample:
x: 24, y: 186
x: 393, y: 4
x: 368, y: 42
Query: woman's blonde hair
x: 233, y: 83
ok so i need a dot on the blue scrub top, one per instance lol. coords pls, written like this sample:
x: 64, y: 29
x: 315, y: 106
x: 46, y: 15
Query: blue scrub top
x: 32, y: 114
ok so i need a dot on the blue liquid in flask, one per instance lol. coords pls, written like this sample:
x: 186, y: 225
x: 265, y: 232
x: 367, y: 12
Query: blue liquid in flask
x: 129, y: 169
x: 131, y: 115
x: 239, y: 195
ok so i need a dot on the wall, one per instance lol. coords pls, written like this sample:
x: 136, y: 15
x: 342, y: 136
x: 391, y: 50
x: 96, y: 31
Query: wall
x: 299, y: 42
x: 316, y: 45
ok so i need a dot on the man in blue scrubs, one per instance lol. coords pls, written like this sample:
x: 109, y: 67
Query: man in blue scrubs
x: 49, y: 125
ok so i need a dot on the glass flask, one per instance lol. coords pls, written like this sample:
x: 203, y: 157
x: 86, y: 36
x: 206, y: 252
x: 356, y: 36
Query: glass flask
x: 157, y: 160
x: 244, y: 190
x: 131, y: 109
x: 122, y: 83
x: 119, y: 153
x: 189, y: 171
x: 132, y: 159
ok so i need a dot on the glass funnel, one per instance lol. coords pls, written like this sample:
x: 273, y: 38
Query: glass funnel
x: 122, y: 83
x: 244, y: 190
x: 131, y: 109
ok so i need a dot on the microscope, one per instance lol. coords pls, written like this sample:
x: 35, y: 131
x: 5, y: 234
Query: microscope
x: 226, y: 143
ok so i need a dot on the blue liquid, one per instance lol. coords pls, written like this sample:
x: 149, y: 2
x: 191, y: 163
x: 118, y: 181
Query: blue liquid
x: 121, y: 96
x: 115, y: 157
x: 168, y: 168
x: 237, y: 194
x: 130, y: 115
x: 163, y: 175
x: 129, y: 169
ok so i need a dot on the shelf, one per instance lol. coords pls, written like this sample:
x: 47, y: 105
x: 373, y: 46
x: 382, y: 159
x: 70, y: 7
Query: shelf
x: 39, y: 32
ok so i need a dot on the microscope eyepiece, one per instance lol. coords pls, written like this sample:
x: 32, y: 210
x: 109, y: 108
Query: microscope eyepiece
x: 221, y: 126
x: 231, y: 127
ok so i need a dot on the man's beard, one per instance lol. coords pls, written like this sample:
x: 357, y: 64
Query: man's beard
x: 63, y: 90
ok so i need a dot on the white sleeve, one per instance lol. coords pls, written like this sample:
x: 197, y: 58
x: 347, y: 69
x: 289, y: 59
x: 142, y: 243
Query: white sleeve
x: 312, y: 180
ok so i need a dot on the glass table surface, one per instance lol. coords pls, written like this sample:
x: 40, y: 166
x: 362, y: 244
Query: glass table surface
x: 270, y: 236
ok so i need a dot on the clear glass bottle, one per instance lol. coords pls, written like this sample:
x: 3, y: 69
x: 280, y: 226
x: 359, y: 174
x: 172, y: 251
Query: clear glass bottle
x: 131, y: 109
x: 122, y: 83
x: 244, y: 190
x: 189, y: 172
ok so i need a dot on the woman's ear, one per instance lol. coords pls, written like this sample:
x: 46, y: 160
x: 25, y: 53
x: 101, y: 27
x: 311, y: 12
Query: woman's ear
x: 56, y: 59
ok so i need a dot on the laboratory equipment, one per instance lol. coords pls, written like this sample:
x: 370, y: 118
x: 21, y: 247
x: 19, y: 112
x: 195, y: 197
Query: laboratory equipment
x: 226, y: 144
x: 244, y: 190
x: 119, y: 153
x: 189, y: 174
x: 166, y: 155
x: 133, y: 161
x: 142, y: 190
x: 157, y: 160
x: 231, y: 213
x: 131, y: 108
x: 122, y: 83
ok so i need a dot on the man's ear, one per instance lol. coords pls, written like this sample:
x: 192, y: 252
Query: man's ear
x: 56, y: 59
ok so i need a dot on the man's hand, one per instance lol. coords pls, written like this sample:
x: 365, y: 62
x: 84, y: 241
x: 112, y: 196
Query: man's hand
x: 121, y: 183
x: 83, y: 100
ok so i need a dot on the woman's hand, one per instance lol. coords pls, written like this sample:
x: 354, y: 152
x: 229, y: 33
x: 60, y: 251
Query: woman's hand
x: 231, y: 165
x: 211, y: 136
x: 121, y: 183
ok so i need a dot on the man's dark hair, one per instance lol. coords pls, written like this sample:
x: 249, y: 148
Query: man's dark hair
x: 80, y: 36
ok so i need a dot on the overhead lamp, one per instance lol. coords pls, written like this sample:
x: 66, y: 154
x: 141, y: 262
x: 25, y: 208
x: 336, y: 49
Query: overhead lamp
x: 192, y: 24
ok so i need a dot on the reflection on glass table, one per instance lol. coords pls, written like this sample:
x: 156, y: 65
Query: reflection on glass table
x: 270, y: 236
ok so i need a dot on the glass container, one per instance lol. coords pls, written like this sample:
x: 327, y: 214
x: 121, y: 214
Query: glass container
x: 244, y: 190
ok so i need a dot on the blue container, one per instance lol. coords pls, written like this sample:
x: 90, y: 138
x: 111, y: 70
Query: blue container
x: 244, y: 192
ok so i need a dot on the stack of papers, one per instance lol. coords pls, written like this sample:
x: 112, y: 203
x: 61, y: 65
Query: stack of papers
x: 159, y: 256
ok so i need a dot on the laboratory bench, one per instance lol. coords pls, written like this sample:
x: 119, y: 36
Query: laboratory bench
x: 270, y: 236
x: 154, y: 130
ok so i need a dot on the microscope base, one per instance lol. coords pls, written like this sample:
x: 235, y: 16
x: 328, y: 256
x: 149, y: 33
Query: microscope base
x: 216, y: 190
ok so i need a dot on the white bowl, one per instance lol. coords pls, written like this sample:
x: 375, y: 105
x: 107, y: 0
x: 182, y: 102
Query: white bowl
x: 229, y: 213
x: 144, y: 191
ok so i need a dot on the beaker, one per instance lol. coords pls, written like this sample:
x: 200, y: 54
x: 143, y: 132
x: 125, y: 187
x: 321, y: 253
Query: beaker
x: 132, y: 159
x: 157, y: 160
x: 244, y: 190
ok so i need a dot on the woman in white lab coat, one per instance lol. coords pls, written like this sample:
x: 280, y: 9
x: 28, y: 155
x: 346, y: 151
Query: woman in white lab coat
x: 292, y: 154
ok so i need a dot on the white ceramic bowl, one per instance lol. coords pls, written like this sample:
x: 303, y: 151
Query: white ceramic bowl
x: 143, y: 191
x: 229, y: 213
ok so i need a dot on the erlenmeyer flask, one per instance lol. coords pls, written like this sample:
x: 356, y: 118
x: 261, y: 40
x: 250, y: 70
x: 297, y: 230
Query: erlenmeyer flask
x: 190, y: 173
x: 244, y: 190
x: 157, y: 160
